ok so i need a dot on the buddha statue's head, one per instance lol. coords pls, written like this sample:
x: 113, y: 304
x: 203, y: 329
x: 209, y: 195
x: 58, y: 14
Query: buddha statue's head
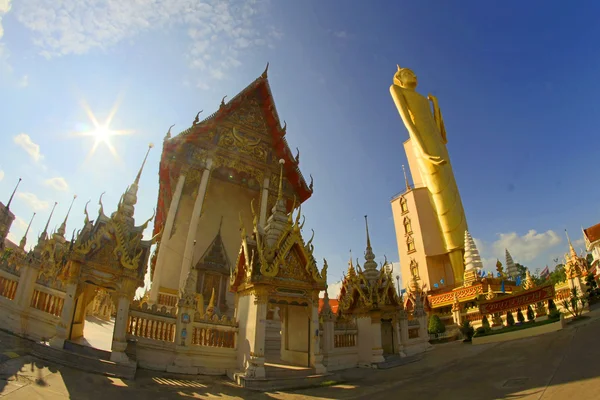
x: 405, y: 78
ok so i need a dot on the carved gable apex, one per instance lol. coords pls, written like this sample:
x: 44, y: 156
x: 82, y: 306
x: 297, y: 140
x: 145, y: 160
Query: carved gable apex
x: 249, y: 116
x: 215, y: 257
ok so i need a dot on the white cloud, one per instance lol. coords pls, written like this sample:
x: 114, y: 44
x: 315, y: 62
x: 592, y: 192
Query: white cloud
x: 33, y: 201
x: 528, y: 246
x: 24, y: 81
x: 218, y: 30
x: 333, y: 290
x: 340, y: 34
x: 33, y: 149
x: 523, y: 249
x: 4, y: 8
x: 57, y: 183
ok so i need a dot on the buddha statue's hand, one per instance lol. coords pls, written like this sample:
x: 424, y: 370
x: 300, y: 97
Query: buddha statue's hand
x: 435, y: 160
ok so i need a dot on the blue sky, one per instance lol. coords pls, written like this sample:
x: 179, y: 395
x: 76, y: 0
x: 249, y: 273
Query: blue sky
x: 517, y: 86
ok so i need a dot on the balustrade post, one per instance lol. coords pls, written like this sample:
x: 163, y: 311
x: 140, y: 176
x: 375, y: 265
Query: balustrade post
x: 26, y: 286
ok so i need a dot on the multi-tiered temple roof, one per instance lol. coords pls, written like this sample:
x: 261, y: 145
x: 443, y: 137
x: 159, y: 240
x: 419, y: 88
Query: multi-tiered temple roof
x: 253, y: 108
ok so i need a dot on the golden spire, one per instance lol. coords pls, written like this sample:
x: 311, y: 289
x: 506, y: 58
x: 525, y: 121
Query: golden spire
x: 44, y: 234
x: 24, y: 239
x: 405, y: 179
x: 370, y: 266
x: 571, y: 249
x: 63, y: 226
x: 13, y: 195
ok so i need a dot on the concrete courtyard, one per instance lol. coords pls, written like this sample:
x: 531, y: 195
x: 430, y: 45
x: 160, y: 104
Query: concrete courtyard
x: 560, y: 365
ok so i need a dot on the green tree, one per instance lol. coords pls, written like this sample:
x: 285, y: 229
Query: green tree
x: 589, y: 259
x: 485, y: 323
x: 590, y: 280
x: 436, y: 325
x: 510, y: 320
x: 520, y: 316
x: 522, y: 271
x: 558, y: 275
x: 530, y: 313
x: 467, y: 330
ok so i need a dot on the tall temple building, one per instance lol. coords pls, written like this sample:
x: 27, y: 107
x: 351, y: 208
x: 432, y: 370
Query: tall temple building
x: 429, y: 218
x: 211, y: 176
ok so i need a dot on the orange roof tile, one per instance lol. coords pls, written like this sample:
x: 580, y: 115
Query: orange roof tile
x: 332, y: 303
x: 593, y: 233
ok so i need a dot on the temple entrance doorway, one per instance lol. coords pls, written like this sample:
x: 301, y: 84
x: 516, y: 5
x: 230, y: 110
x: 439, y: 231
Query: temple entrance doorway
x: 93, y: 319
x: 287, y: 347
x: 387, y: 336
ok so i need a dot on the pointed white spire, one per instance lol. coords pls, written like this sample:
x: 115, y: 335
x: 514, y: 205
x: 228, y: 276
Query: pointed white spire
x: 24, y: 239
x: 472, y: 258
x: 13, y: 194
x: 511, y: 267
x: 63, y: 226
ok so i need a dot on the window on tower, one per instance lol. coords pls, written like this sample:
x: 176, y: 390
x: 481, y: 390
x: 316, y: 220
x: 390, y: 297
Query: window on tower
x: 410, y: 244
x: 403, y: 205
x: 407, y: 225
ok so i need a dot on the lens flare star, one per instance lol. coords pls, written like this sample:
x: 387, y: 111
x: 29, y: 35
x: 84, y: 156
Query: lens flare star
x: 102, y: 133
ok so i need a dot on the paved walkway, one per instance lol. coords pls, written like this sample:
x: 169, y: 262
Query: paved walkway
x: 560, y: 365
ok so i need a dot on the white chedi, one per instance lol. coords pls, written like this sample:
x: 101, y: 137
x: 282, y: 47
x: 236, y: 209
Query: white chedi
x: 472, y: 258
x: 511, y: 268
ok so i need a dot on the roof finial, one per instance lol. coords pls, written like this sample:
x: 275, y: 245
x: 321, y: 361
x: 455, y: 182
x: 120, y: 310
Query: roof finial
x: 168, y: 135
x: 264, y: 74
x: 13, y: 194
x: 44, y: 234
x: 406, y: 179
x: 280, y: 192
x: 197, y: 119
x: 220, y: 224
x: 137, y: 178
x: 24, y: 239
x: 223, y: 101
x: 63, y: 226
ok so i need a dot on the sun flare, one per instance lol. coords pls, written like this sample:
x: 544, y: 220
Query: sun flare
x: 102, y: 133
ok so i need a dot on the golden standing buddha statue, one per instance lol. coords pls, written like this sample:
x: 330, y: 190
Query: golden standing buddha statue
x: 428, y: 137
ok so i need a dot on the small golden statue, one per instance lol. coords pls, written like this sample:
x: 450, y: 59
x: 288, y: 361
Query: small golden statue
x: 500, y: 269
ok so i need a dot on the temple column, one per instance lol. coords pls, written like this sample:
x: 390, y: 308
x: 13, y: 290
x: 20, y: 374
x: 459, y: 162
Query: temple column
x: 316, y: 358
x: 166, y: 235
x: 403, y: 328
x: 188, y: 254
x: 119, y: 342
x: 263, y: 202
x: 398, y: 338
x: 377, y: 350
x: 256, y: 363
x: 328, y: 334
x: 66, y: 317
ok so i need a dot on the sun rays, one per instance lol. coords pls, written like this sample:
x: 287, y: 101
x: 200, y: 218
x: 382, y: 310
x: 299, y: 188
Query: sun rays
x: 102, y: 132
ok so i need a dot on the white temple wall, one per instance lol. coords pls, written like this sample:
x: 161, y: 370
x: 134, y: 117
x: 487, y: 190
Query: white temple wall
x: 246, y: 313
